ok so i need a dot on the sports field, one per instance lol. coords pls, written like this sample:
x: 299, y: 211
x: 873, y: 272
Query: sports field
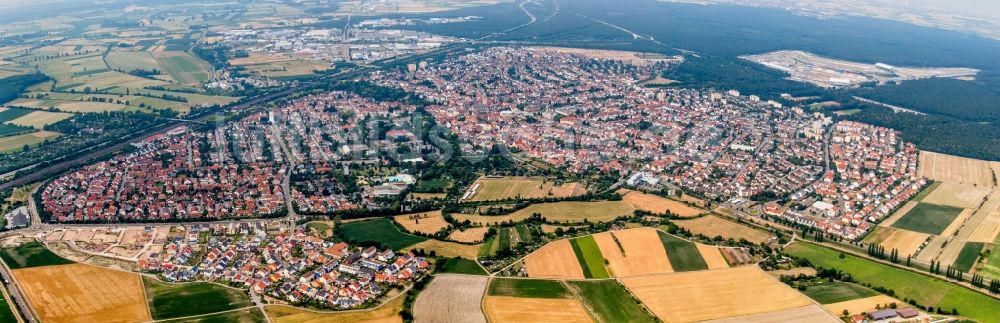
x: 502, y: 188
x: 424, y: 222
x: 379, y: 230
x: 558, y: 212
x: 172, y: 300
x: 83, y: 293
x: 31, y: 254
x: 715, y: 294
x: 589, y: 255
x: 684, y: 255
x: 609, y: 301
x: 451, y: 298
x: 712, y: 226
x: 657, y: 204
x: 928, y: 218
x: 926, y: 291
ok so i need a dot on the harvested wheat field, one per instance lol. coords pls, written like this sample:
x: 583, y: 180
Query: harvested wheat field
x: 502, y: 188
x: 862, y: 304
x: 448, y: 249
x: 643, y: 253
x: 811, y: 313
x: 83, y: 293
x: 535, y: 310
x: 713, y: 257
x: 957, y: 195
x: 713, y: 294
x: 561, y: 212
x: 426, y: 222
x: 387, y: 313
x: 451, y: 298
x: 957, y: 169
x: 554, y: 260
x: 712, y: 226
x: 985, y: 224
x: 657, y: 204
x: 906, y: 242
x: 469, y: 235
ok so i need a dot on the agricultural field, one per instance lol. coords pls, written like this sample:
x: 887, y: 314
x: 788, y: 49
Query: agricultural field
x: 716, y: 294
x: 503, y: 188
x: 968, y: 255
x: 558, y: 212
x: 426, y: 222
x: 964, y: 196
x: 958, y: 169
x: 451, y: 298
x: 713, y: 226
x: 528, y: 288
x: 657, y: 204
x: 536, y: 310
x: 11, y: 113
x: 10, y: 143
x: 252, y: 315
x: 925, y: 290
x: 684, y: 255
x: 40, y: 119
x: 126, y: 61
x: 6, y: 311
x: 387, y: 313
x: 904, y: 241
x: 460, y: 266
x: 82, y: 293
x: 633, y: 252
x: 70, y: 105
x: 609, y: 301
x: 928, y: 218
x: 554, y: 260
x: 863, y: 305
x: 379, y: 230
x: 469, y: 235
x: 184, y: 67
x: 991, y: 265
x: 589, y: 255
x: 172, y: 300
x: 288, y: 69
x: 984, y: 225
x: 31, y: 254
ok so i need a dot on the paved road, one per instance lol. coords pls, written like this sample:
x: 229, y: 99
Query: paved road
x: 18, y: 299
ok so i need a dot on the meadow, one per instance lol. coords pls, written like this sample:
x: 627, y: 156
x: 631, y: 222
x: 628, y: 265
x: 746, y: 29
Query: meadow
x: 925, y: 290
x: 379, y: 230
x: 460, y: 266
x: 31, y: 254
x: 835, y: 292
x: 171, y: 300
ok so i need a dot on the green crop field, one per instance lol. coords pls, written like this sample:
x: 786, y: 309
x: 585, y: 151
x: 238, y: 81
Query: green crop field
x: 530, y: 288
x: 683, y: 254
x: 503, y: 238
x: 610, y: 301
x: 487, y: 248
x: 6, y: 312
x: 9, y: 129
x: 928, y: 218
x: 379, y: 230
x: 31, y: 254
x: 523, y: 232
x: 925, y: 290
x: 13, y: 113
x: 833, y: 292
x: 590, y: 257
x: 460, y: 266
x: 178, y: 300
x: 967, y: 257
